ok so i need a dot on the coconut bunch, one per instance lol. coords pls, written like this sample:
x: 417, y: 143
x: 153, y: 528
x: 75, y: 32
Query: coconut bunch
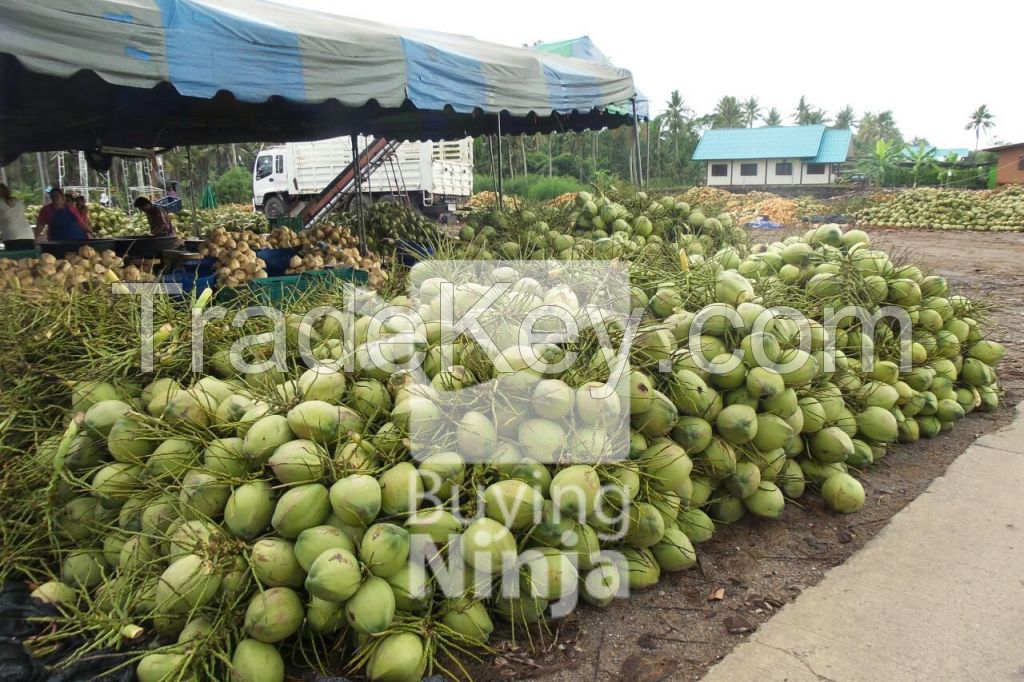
x: 386, y: 222
x: 751, y: 205
x: 283, y: 238
x: 948, y: 209
x: 109, y: 221
x: 85, y: 268
x: 601, y: 229
x: 237, y: 262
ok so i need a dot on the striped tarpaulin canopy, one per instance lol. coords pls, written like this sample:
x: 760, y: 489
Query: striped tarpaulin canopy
x: 85, y: 73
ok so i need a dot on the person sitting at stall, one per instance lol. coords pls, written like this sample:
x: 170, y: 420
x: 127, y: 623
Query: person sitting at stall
x: 61, y: 220
x: 83, y: 212
x: 159, y: 220
x: 15, y: 230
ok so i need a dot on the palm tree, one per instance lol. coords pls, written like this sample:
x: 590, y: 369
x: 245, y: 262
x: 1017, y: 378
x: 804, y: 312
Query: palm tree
x: 981, y: 120
x: 881, y: 162
x: 922, y: 159
x: 676, y: 113
x: 845, y: 118
x: 802, y: 109
x: 815, y: 117
x: 751, y: 110
x: 728, y: 113
x: 773, y: 118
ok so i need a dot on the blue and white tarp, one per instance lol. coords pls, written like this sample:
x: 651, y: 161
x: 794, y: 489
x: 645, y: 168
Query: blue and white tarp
x: 260, y: 52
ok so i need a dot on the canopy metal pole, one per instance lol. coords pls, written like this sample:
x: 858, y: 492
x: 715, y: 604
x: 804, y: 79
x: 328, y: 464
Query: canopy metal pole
x: 636, y: 145
x: 359, y: 194
x: 501, y: 170
x: 42, y: 174
x: 192, y: 191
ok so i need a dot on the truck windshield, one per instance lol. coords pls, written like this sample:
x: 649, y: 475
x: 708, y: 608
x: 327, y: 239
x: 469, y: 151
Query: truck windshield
x: 264, y: 166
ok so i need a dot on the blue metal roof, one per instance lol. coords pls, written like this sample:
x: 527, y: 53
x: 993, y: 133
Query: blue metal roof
x: 835, y: 146
x: 816, y: 142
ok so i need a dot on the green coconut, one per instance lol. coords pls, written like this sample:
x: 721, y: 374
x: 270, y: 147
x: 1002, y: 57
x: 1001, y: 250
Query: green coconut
x: 675, y: 551
x: 401, y: 489
x: 783, y: 405
x: 274, y: 563
x: 187, y: 584
x: 744, y: 481
x: 877, y: 425
x: 641, y: 569
x: 551, y: 573
x: 772, y: 432
x: 791, y: 480
x: 334, y: 575
x: 412, y: 588
x: 692, y: 433
x: 193, y: 407
x: 987, y: 351
x: 274, y: 615
x: 513, y: 503
x: 230, y: 412
x: 594, y: 407
x: 553, y: 399
x: 801, y: 367
x: 101, y: 416
x: 224, y: 457
x: 659, y: 418
x: 315, y: 420
x: 249, y: 509
x: 385, y: 549
x: 696, y: 524
x: 469, y: 618
x: 324, y: 617
x: 300, y: 508
x: 397, y: 658
x: 737, y: 424
x: 435, y: 525
x: 171, y: 459
x: 726, y: 509
x: 203, y: 495
x: 488, y: 546
x: 256, y: 661
x: 668, y: 466
x: 645, y: 527
x: 196, y: 630
x: 949, y: 411
x: 372, y: 608
x: 576, y: 491
x: 265, y: 436
x: 313, y: 542
x: 115, y: 483
x: 476, y: 436
x: 601, y: 584
x: 156, y: 667
x: 130, y: 441
x: 763, y: 382
x: 766, y: 502
x: 370, y: 398
x: 136, y: 552
x: 322, y: 383
x: 843, y: 493
x: 718, y: 460
x: 356, y: 499
x: 831, y: 445
x: 198, y: 536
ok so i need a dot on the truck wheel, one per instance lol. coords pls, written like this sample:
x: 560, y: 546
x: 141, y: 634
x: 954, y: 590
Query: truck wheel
x: 274, y: 207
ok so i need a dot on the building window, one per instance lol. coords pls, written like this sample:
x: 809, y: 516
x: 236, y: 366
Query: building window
x: 748, y: 170
x: 784, y: 168
x: 719, y: 170
x: 815, y: 169
x: 1020, y: 163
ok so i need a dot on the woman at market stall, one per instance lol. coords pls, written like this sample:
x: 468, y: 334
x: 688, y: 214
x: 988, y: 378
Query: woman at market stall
x: 61, y: 220
x: 15, y: 230
x: 83, y: 212
x: 159, y: 220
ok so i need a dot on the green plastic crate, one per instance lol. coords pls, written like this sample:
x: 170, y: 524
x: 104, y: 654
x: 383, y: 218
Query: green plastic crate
x: 20, y: 254
x: 293, y: 223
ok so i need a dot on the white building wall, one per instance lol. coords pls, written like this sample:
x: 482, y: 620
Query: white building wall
x: 766, y: 174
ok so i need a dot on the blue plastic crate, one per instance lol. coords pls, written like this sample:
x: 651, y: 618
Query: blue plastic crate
x: 411, y: 253
x: 190, y: 281
x: 277, y: 260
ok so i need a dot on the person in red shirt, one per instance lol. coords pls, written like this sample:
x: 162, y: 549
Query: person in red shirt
x: 159, y: 220
x: 61, y: 220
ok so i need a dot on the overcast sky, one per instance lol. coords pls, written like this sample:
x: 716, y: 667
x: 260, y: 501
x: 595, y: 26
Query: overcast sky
x: 931, y: 63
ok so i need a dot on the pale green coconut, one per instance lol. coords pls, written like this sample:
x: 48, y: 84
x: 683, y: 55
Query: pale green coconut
x: 645, y: 526
x: 264, y: 436
x: 641, y: 569
x: 299, y: 461
x: 101, y: 416
x: 397, y: 658
x: 476, y: 436
x: 324, y: 617
x: 553, y: 399
x: 986, y: 351
x: 313, y: 542
x: 274, y: 615
x: 766, y: 502
x: 513, y: 503
x: 334, y: 575
x: 356, y: 499
x: 488, y: 546
x: 256, y: 661
x: 315, y: 420
x: 299, y: 508
x: 469, y: 618
x: 435, y: 525
x: 668, y: 466
x: 401, y: 489
x: 576, y: 490
x: 156, y: 667
x: 763, y: 382
x: 171, y: 459
x: 540, y: 439
x: 412, y: 588
x: 385, y: 549
x: 203, y: 495
x: 737, y: 424
x: 745, y: 480
x: 370, y: 398
x: 675, y: 551
x: 224, y: 457
x: 187, y: 584
x: 726, y: 508
x: 130, y: 441
x: 843, y: 493
x: 601, y: 584
x: 696, y: 524
x: 596, y: 404
x: 772, y: 432
x: 249, y: 509
x: 692, y: 433
x: 718, y: 460
x: 274, y: 563
x: 831, y: 445
x: 877, y: 425
x: 372, y: 608
x: 56, y: 593
x: 322, y: 383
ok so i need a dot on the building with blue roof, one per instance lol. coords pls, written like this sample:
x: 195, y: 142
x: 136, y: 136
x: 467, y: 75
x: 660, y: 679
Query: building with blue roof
x: 781, y: 155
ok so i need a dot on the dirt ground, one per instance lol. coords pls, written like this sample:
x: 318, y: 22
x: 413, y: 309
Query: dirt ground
x: 687, y: 622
